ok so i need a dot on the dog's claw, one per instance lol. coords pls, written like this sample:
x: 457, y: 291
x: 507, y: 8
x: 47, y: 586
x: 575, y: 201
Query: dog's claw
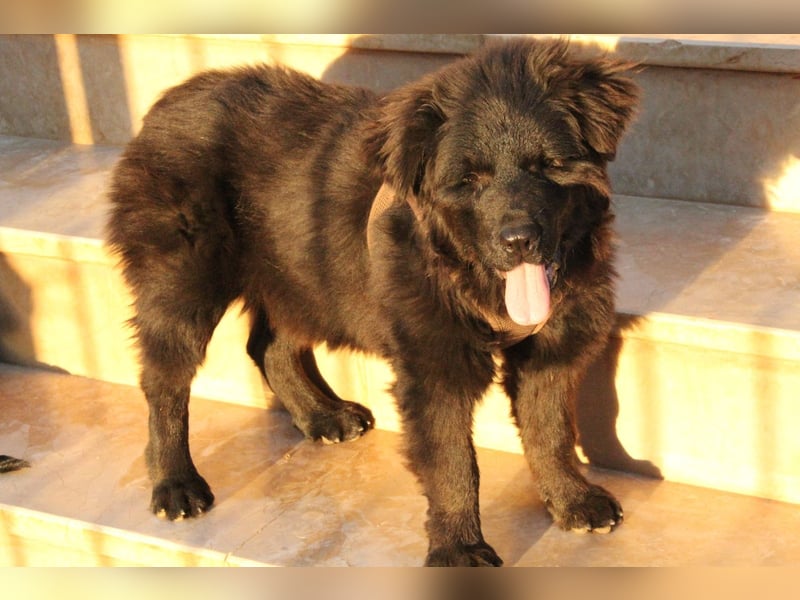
x: 606, y: 529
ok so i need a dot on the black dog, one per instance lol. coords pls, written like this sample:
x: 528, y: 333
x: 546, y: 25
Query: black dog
x: 459, y: 218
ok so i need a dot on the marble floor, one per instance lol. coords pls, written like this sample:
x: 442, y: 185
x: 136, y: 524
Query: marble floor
x: 284, y: 501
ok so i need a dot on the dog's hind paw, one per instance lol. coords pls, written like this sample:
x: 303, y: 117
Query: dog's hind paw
x: 175, y: 499
x: 460, y: 555
x: 596, y: 511
x: 348, y: 422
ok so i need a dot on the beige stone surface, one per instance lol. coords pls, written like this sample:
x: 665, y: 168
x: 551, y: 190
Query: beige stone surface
x: 284, y: 501
x: 54, y: 187
x: 719, y: 263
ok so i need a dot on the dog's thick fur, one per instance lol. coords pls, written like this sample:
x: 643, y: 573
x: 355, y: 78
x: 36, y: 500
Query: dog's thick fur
x: 257, y: 183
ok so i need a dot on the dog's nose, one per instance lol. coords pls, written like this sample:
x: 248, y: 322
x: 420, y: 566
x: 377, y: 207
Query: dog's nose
x: 521, y: 238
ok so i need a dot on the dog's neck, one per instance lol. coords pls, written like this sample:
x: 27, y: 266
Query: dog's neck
x: 506, y: 331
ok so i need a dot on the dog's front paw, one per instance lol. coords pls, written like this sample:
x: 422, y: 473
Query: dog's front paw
x: 177, y: 498
x: 460, y: 555
x: 348, y: 422
x: 595, y: 510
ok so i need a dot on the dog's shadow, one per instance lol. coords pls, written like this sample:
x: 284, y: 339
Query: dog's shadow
x: 597, y: 408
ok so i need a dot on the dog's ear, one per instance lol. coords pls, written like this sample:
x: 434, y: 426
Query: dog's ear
x: 405, y: 138
x: 606, y: 100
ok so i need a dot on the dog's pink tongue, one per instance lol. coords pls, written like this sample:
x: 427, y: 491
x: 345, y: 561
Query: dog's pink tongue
x: 527, y: 294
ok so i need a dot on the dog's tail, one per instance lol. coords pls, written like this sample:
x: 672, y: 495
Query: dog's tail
x: 9, y: 463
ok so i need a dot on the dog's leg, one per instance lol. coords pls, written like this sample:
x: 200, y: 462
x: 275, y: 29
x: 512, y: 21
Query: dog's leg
x: 261, y: 336
x: 319, y: 413
x: 542, y: 398
x: 172, y: 348
x: 437, y: 417
x: 292, y: 374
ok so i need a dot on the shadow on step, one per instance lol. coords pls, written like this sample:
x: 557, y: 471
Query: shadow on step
x: 17, y: 345
x: 597, y: 409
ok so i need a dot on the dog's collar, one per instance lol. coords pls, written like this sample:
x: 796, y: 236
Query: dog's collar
x: 507, y: 332
x: 383, y: 200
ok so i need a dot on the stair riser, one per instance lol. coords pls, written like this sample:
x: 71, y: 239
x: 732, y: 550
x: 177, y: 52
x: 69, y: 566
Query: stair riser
x: 99, y: 88
x: 707, y: 417
x: 713, y: 136
x: 707, y: 135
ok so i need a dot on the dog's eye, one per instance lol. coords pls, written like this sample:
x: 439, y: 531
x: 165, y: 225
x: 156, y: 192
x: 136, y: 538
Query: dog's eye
x: 475, y: 178
x: 470, y: 178
x: 543, y: 164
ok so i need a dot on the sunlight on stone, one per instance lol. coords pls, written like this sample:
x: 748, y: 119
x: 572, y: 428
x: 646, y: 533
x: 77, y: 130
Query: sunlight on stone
x: 783, y: 192
x: 605, y: 42
x: 76, y: 104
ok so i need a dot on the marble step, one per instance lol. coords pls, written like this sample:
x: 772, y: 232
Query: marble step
x: 717, y: 123
x: 698, y: 386
x: 285, y: 501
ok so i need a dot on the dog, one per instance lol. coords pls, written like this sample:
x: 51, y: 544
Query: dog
x: 459, y: 226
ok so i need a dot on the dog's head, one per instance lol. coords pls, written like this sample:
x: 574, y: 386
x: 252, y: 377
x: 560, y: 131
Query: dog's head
x: 506, y: 153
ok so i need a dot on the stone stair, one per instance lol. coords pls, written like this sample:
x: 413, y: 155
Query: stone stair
x: 283, y: 501
x: 698, y: 387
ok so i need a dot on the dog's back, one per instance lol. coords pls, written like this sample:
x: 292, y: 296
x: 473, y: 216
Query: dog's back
x: 253, y: 183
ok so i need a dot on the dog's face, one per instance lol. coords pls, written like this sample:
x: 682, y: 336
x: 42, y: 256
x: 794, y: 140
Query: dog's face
x: 506, y: 153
